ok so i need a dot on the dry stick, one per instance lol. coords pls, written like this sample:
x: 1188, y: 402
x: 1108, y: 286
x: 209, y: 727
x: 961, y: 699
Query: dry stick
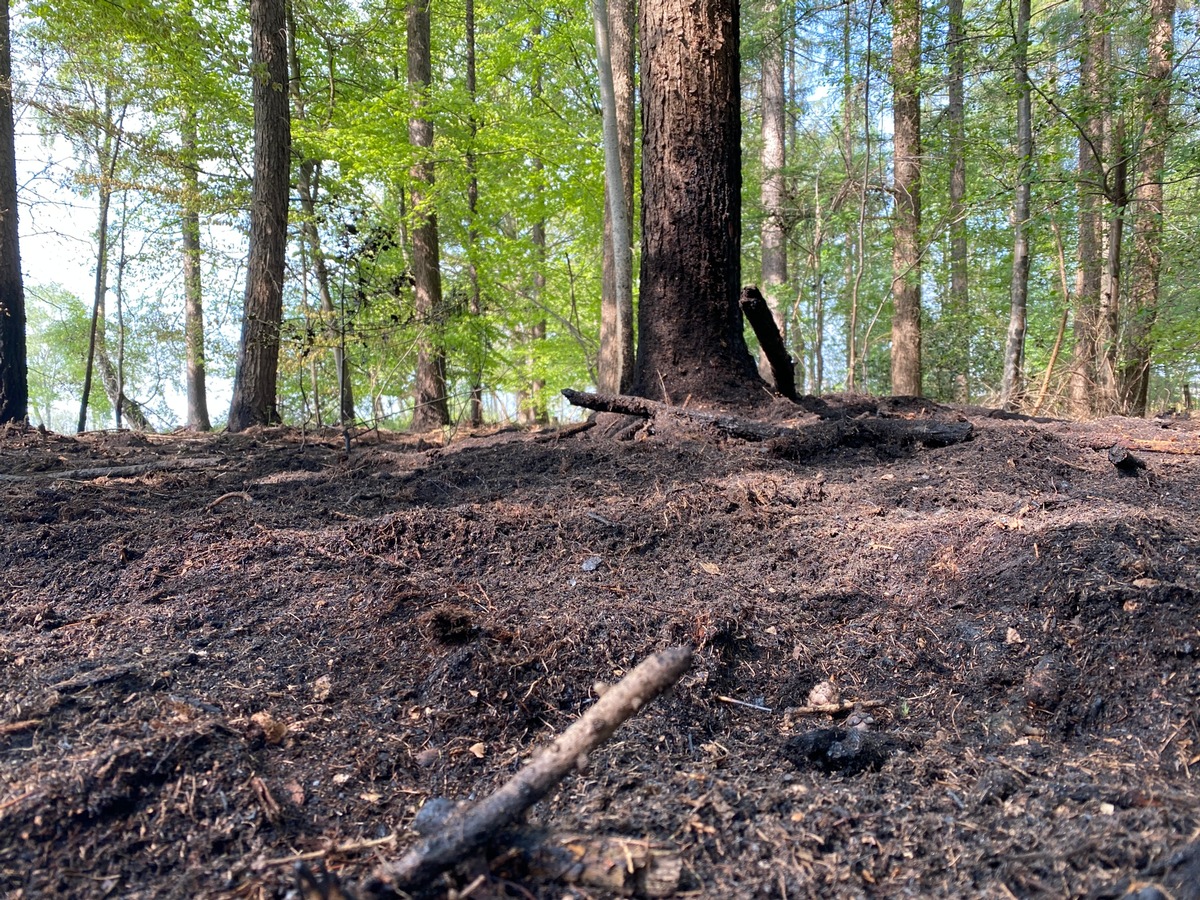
x: 119, y: 471
x: 468, y: 829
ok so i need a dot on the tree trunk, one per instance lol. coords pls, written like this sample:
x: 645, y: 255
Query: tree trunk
x: 960, y: 301
x: 14, y: 377
x: 254, y: 383
x: 1148, y: 195
x: 906, y: 225
x: 430, y: 409
x: 475, y: 411
x: 1091, y: 199
x: 689, y: 325
x: 308, y: 175
x: 614, y: 31
x: 1109, y: 315
x: 1014, y: 348
x: 773, y: 233
x: 193, y: 293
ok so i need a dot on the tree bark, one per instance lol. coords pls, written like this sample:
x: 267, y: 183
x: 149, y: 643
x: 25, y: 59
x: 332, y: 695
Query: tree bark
x: 906, y: 224
x: 1148, y: 197
x: 689, y: 327
x: 193, y: 288
x: 430, y: 409
x: 1091, y: 225
x: 254, y: 384
x: 615, y: 365
x: 960, y: 300
x: 475, y: 411
x: 773, y: 233
x: 1014, y: 348
x: 14, y: 377
x: 308, y: 174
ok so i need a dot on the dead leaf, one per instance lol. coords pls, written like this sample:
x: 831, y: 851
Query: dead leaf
x: 711, y: 568
x: 322, y: 688
x: 274, y: 730
x: 478, y: 750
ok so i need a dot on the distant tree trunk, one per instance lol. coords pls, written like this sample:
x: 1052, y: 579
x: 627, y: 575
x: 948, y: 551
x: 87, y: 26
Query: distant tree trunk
x: 960, y: 302
x: 1014, y: 348
x: 14, y: 377
x: 1107, y: 401
x: 1148, y: 195
x: 1091, y: 199
x: 430, y: 408
x: 476, y: 403
x: 254, y: 383
x: 690, y: 341
x: 614, y: 49
x: 193, y: 293
x: 308, y: 174
x: 773, y: 194
x: 906, y: 225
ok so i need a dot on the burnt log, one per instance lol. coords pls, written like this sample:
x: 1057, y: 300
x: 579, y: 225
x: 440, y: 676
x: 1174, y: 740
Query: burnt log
x: 758, y: 314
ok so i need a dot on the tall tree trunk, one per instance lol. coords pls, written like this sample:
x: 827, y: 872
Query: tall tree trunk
x: 690, y: 339
x: 430, y: 409
x: 308, y: 175
x: 906, y: 225
x: 615, y: 61
x: 1109, y: 314
x: 1014, y: 348
x: 476, y: 302
x: 1148, y: 195
x: 773, y: 233
x: 14, y: 377
x: 193, y: 289
x: 1091, y: 221
x: 255, y: 379
x: 960, y: 302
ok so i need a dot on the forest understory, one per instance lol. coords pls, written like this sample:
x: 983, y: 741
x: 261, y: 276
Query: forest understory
x: 223, y: 655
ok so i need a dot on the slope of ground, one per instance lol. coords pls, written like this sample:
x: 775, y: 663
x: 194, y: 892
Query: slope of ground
x: 237, y: 651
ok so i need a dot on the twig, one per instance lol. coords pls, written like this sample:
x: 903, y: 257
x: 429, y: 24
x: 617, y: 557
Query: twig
x: 23, y: 725
x: 119, y: 471
x: 828, y: 708
x: 745, y: 704
x: 353, y: 847
x: 243, y: 495
x: 469, y: 828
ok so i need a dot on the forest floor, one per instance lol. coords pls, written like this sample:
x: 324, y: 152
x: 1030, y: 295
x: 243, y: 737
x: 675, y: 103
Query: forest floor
x: 233, y: 652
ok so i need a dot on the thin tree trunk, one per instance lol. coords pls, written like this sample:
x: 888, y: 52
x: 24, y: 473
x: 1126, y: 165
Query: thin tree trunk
x: 1109, y: 314
x: 308, y: 174
x: 1014, y: 348
x: 476, y: 403
x: 254, y: 384
x: 193, y: 289
x: 773, y: 233
x: 430, y: 408
x: 960, y: 305
x: 614, y: 23
x: 906, y: 226
x: 14, y: 378
x: 1091, y: 199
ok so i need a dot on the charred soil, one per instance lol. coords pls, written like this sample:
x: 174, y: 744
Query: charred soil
x: 232, y: 652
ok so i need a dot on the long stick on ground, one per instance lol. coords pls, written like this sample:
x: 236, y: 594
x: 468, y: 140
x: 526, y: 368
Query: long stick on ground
x: 467, y: 830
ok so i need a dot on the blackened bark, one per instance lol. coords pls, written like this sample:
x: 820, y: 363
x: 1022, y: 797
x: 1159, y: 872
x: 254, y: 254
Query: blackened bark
x: 14, y: 379
x: 773, y: 233
x: 689, y: 327
x: 254, y: 383
x: 430, y: 409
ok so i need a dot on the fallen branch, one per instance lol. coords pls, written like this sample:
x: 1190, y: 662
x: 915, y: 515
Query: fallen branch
x: 1188, y: 446
x: 787, y: 441
x: 834, y: 708
x: 119, y: 471
x: 758, y: 314
x: 468, y: 829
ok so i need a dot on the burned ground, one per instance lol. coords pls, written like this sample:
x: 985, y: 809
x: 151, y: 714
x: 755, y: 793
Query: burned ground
x: 240, y: 650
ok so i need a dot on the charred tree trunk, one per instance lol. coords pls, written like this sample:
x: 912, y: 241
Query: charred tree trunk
x: 254, y: 383
x: 14, y: 378
x: 773, y: 233
x: 960, y: 301
x: 430, y: 409
x: 690, y: 339
x: 1014, y: 348
x: 1148, y: 195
